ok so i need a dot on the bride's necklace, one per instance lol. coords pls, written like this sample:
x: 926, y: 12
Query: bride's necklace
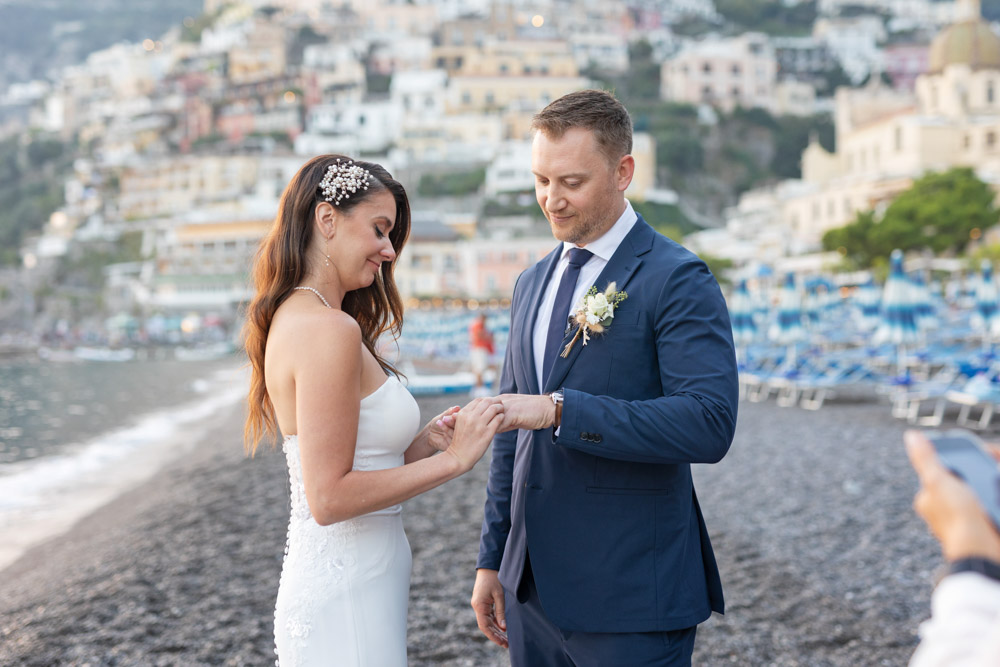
x: 316, y: 292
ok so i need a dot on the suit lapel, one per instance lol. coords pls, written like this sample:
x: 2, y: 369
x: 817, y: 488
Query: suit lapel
x: 533, y: 300
x: 620, y: 269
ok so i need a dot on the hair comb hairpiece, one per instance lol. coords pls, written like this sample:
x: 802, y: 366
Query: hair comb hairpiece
x: 342, y: 180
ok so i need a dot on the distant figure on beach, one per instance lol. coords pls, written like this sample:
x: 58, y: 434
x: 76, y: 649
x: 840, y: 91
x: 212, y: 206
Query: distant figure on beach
x: 324, y: 294
x: 481, y: 352
x: 619, y: 374
x: 964, y: 630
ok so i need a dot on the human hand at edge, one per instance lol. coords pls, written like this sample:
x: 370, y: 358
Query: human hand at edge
x: 488, y: 603
x: 949, y: 506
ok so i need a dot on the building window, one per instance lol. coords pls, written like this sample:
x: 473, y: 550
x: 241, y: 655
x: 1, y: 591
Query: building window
x: 991, y: 140
x: 736, y: 70
x: 899, y: 138
x: 706, y: 93
x: 989, y: 93
x: 967, y: 141
x: 707, y: 68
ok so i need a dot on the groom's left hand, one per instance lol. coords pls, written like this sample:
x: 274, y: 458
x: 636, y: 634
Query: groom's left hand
x: 529, y: 412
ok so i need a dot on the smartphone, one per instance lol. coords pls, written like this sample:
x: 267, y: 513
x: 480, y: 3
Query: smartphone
x: 965, y: 455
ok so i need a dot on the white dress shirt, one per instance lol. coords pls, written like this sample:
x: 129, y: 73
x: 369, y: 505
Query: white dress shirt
x: 603, y: 248
x: 964, y: 629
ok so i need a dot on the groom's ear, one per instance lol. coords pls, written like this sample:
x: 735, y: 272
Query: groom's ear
x: 624, y: 172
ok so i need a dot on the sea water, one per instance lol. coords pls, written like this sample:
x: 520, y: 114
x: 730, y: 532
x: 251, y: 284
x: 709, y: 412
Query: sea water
x: 75, y: 434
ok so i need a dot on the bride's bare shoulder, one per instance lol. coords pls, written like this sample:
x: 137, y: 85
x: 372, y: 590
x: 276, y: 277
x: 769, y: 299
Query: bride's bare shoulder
x: 308, y: 326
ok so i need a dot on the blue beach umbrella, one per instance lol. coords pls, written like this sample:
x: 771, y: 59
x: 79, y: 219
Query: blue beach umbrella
x: 986, y: 317
x: 868, y: 304
x: 741, y: 315
x: 899, y: 312
x: 787, y: 328
x: 923, y: 302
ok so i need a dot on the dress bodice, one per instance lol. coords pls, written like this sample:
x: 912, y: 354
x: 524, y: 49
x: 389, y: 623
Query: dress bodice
x: 388, y: 420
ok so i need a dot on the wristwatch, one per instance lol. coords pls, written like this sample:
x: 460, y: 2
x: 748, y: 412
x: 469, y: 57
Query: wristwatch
x: 984, y: 566
x: 557, y: 400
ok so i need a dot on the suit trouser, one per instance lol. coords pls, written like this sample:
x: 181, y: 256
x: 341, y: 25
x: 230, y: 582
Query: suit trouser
x: 536, y: 642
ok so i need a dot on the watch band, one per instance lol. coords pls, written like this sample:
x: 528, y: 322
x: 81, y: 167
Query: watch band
x: 984, y: 566
x: 557, y: 400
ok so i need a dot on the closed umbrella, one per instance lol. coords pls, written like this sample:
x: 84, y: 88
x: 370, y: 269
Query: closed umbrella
x: 868, y: 304
x: 899, y: 312
x: 741, y: 315
x: 787, y: 328
x: 986, y: 317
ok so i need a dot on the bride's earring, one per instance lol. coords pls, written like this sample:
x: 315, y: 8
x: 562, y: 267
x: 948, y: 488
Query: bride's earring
x: 327, y: 253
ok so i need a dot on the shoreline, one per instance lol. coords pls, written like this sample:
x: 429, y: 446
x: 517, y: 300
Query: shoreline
x: 50, y: 494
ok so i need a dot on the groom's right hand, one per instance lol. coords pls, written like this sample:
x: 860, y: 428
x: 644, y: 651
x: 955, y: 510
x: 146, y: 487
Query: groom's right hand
x: 487, y: 601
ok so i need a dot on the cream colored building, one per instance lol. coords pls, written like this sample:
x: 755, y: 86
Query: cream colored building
x: 261, y: 56
x: 205, y: 265
x: 181, y: 184
x: 478, y: 268
x: 731, y: 72
x: 885, y: 139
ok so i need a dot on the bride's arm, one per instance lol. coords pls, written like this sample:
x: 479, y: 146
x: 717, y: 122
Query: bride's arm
x: 328, y: 403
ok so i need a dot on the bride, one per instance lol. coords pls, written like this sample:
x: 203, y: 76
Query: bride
x: 324, y: 293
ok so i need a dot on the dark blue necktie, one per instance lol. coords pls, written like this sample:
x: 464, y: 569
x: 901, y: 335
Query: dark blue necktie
x: 560, y: 309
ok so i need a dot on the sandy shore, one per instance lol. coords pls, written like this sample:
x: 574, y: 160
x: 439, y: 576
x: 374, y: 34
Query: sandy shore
x: 822, y: 558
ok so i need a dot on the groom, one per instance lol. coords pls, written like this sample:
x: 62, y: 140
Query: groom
x: 593, y: 549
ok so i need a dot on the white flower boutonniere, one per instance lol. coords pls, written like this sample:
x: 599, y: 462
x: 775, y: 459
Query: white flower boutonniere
x: 595, y: 313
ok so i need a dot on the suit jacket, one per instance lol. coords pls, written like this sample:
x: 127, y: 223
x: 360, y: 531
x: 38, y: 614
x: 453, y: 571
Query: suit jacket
x: 607, y: 509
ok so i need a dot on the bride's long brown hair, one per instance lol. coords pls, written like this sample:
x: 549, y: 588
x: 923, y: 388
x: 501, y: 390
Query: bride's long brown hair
x: 280, y: 265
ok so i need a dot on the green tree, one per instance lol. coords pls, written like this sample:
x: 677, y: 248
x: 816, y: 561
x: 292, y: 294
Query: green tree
x: 451, y: 184
x: 851, y: 241
x: 774, y: 17
x: 942, y: 212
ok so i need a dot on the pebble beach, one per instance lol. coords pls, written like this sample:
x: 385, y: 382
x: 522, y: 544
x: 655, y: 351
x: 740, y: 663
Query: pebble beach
x: 823, y: 560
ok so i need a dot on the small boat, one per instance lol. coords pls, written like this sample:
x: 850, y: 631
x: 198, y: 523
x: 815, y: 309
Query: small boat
x: 204, y: 352
x: 103, y: 353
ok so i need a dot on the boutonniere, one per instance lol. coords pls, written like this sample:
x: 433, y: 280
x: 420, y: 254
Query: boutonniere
x: 595, y: 313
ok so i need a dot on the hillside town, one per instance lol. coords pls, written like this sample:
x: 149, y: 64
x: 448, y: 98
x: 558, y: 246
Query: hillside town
x: 183, y: 142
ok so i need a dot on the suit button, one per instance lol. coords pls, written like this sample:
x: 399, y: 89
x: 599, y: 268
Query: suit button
x: 584, y: 435
x: 597, y: 437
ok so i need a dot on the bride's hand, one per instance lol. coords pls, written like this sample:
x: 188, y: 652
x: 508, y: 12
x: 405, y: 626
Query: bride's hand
x: 475, y: 426
x: 441, y: 429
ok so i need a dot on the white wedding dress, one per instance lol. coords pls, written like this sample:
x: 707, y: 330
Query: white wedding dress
x: 344, y: 588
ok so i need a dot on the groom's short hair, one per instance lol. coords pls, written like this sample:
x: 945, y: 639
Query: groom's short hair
x: 595, y: 110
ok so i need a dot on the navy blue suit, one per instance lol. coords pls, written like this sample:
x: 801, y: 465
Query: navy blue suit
x: 607, y: 509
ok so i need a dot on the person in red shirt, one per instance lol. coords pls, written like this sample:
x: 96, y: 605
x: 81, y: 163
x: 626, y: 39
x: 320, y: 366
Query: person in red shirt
x: 480, y: 352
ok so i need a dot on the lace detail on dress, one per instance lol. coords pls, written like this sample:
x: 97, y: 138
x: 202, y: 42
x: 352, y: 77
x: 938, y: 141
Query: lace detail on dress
x: 323, y: 552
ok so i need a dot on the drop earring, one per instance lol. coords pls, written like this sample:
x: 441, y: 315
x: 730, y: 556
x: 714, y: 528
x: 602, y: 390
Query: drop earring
x: 327, y: 253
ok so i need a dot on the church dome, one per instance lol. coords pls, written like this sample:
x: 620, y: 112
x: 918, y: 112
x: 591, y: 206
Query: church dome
x: 970, y: 43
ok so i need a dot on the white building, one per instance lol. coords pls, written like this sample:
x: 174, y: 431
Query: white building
x: 510, y: 171
x: 370, y: 127
x: 854, y: 41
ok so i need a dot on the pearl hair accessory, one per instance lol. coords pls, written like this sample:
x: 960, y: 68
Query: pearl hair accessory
x: 343, y: 180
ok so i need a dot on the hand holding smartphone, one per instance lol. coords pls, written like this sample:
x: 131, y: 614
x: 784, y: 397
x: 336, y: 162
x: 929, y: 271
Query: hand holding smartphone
x: 966, y: 456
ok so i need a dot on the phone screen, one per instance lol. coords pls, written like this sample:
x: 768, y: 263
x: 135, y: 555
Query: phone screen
x: 963, y: 456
